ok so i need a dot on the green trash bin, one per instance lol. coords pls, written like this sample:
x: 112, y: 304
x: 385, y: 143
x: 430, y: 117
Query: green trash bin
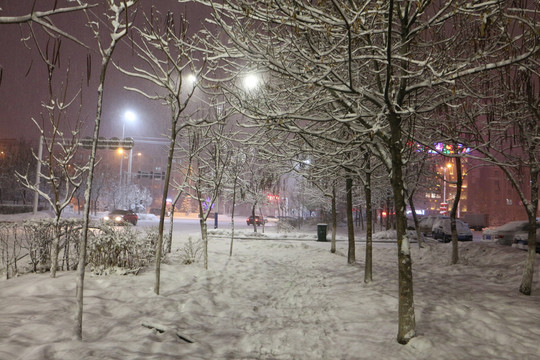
x: 321, y: 232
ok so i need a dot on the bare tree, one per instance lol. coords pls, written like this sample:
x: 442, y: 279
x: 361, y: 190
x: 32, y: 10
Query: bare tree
x: 207, y: 175
x: 168, y: 56
x: 57, y: 168
x: 507, y: 134
x: 118, y: 14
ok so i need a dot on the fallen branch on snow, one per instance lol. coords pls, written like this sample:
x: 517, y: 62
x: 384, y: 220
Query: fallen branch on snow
x: 161, y: 330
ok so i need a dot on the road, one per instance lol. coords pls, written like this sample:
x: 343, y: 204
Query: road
x: 192, y: 224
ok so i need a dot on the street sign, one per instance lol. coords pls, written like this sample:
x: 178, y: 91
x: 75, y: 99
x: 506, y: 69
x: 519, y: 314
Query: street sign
x: 443, y: 208
x: 112, y: 143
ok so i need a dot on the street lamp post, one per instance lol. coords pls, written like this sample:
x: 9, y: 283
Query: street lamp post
x: 129, y: 116
x: 444, y: 181
x: 444, y: 184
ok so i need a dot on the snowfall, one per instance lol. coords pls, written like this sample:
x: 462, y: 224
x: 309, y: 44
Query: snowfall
x: 281, y: 296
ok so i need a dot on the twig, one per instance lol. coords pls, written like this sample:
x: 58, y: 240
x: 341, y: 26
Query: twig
x: 162, y: 330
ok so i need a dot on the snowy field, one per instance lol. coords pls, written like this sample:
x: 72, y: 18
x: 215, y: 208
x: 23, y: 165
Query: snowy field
x: 281, y: 299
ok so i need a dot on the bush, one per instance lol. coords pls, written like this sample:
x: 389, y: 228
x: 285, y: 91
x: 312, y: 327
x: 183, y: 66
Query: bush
x: 10, y: 249
x: 118, y: 249
x: 32, y: 240
x: 110, y: 248
x: 191, y: 252
x: 285, y: 226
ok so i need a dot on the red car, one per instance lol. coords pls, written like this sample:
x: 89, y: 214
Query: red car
x: 121, y: 217
x: 258, y: 220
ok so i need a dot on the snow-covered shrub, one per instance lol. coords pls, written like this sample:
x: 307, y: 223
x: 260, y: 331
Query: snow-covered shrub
x: 191, y: 251
x: 284, y: 226
x: 113, y: 247
x: 151, y: 234
x: 31, y: 240
x: 38, y: 238
x: 10, y: 249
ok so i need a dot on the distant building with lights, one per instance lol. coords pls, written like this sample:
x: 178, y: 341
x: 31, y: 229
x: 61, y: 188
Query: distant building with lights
x: 485, y: 190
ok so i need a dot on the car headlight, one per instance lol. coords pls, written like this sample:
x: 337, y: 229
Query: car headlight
x: 106, y: 218
x: 118, y: 218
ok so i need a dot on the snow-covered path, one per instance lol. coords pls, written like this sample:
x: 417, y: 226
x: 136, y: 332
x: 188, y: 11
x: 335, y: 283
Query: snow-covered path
x: 273, y: 305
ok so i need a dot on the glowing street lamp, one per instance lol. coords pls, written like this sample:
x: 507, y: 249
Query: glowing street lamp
x: 129, y: 116
x: 251, y: 81
x: 192, y: 79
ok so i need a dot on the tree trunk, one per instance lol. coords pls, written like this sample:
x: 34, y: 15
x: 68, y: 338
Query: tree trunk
x: 253, y: 214
x: 204, y: 234
x: 453, y: 212
x: 334, y: 220
x: 81, y: 267
x: 406, y: 317
x: 171, y: 227
x: 351, y: 256
x: 360, y: 217
x: 532, y: 208
x: 161, y: 226
x: 368, y: 271
x: 528, y: 270
x: 55, y: 247
x: 232, y: 214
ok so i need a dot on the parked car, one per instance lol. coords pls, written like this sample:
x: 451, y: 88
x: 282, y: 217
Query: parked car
x: 504, y: 234
x: 426, y: 224
x: 521, y: 241
x: 121, y: 217
x: 410, y: 223
x: 477, y: 221
x: 155, y: 211
x: 258, y: 220
x: 441, y: 230
x: 271, y: 219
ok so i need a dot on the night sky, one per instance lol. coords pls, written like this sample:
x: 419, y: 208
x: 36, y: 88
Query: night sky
x: 24, y: 82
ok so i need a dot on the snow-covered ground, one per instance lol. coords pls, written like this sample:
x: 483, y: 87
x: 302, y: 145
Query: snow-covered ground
x: 281, y: 299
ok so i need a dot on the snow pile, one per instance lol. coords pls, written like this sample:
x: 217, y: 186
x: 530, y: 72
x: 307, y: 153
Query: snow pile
x: 281, y: 299
x: 390, y: 235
